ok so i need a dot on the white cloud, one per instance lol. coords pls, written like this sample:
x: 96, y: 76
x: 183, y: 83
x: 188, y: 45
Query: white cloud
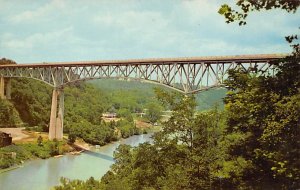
x: 9, y: 41
x: 134, y: 21
x: 39, y: 13
x: 78, y: 30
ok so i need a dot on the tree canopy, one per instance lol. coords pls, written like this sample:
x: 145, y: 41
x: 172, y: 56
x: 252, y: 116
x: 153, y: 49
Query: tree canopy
x: 248, y: 6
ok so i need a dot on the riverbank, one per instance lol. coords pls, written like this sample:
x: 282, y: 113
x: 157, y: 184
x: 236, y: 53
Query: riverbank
x: 73, y: 149
x: 16, y: 154
x: 10, y: 168
x: 43, y: 174
x: 29, y: 148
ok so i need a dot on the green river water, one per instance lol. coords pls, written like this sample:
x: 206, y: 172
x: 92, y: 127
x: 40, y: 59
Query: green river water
x: 44, y: 174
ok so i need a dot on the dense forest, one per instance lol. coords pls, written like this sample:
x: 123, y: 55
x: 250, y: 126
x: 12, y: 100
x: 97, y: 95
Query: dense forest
x: 84, y: 105
x: 142, y: 94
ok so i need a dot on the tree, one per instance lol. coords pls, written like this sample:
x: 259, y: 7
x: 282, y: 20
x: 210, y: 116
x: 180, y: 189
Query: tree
x: 5, y: 61
x: 183, y: 155
x: 153, y: 113
x: 263, y: 129
x: 264, y: 122
x: 125, y: 113
x: 40, y: 140
x: 248, y: 6
x: 9, y: 116
x: 72, y: 137
x: 91, y: 183
x: 54, y: 147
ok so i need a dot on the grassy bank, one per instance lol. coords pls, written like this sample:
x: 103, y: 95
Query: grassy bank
x: 16, y: 154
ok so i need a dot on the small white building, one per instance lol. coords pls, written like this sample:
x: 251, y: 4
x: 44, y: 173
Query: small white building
x: 109, y: 115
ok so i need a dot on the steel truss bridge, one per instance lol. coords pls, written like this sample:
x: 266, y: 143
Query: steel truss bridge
x: 187, y: 75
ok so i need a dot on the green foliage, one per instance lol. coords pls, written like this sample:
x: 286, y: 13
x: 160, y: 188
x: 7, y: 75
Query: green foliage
x: 29, y: 151
x: 127, y: 128
x: 209, y: 99
x: 132, y: 96
x: 6, y: 161
x: 72, y: 137
x: 9, y: 116
x: 90, y: 184
x: 153, y: 113
x: 102, y: 133
x: 5, y: 61
x: 180, y: 158
x: 125, y: 113
x: 184, y: 154
x: 84, y: 103
x: 263, y: 119
x: 248, y: 6
x: 32, y: 99
x: 93, y: 134
x: 263, y: 115
x: 31, y: 102
x: 40, y: 141
x: 54, y: 148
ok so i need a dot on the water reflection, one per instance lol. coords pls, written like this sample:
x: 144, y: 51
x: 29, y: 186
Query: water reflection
x: 99, y: 155
x: 53, y: 169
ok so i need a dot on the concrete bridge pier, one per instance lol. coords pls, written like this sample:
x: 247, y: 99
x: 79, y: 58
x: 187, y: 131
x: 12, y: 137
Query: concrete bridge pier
x: 57, y: 115
x: 2, y: 96
x: 8, y: 88
x: 5, y: 90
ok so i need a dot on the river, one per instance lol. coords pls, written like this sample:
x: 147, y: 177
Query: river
x: 44, y: 174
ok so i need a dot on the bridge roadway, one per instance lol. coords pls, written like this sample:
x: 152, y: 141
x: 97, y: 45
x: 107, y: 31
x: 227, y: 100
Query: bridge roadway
x: 163, y: 61
x: 187, y: 75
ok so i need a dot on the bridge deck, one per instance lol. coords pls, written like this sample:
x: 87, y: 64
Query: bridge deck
x: 162, y: 61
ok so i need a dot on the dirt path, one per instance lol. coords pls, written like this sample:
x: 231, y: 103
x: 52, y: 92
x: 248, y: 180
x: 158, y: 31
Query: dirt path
x: 16, y: 133
x: 142, y: 124
x: 20, y: 135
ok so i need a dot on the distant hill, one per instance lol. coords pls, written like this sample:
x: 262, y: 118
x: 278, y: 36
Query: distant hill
x: 131, y: 95
x: 210, y: 98
x: 85, y: 101
x: 143, y: 90
x: 115, y: 85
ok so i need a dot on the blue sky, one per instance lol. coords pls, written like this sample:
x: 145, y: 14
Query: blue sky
x: 74, y: 30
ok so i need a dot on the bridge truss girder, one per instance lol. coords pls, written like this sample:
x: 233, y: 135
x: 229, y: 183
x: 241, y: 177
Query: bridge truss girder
x: 184, y: 77
x: 187, y: 75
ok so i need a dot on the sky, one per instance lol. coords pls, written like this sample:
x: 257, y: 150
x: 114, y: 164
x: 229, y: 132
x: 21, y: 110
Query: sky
x: 74, y: 30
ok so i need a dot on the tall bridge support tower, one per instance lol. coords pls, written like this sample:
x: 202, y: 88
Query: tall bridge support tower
x: 8, y: 88
x: 57, y: 115
x: 2, y: 96
x: 5, y: 90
